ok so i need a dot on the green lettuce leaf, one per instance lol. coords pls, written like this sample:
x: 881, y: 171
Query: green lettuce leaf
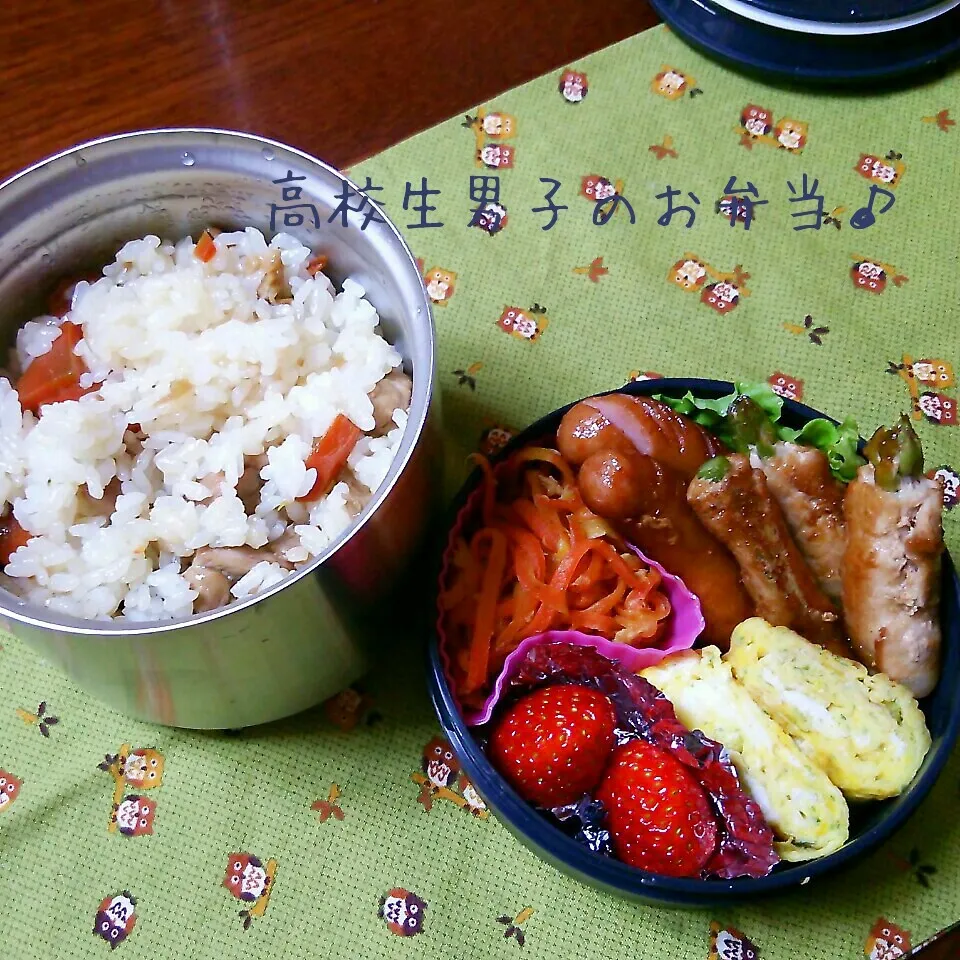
x: 839, y: 443
x: 711, y: 414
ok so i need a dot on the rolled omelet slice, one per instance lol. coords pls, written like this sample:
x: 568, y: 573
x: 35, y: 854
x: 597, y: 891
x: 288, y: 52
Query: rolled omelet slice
x: 806, y: 812
x: 866, y: 731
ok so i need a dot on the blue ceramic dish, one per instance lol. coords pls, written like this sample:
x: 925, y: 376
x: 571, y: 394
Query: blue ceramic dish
x: 810, y: 57
x: 829, y: 11
x: 870, y: 824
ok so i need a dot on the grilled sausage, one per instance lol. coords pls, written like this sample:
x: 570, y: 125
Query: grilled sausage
x: 622, y: 422
x: 646, y: 501
x: 584, y: 431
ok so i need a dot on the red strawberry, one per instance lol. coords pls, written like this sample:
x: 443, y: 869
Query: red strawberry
x: 553, y: 744
x: 657, y: 814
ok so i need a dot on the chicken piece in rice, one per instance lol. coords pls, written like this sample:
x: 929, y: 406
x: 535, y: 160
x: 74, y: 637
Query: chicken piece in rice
x: 203, y: 418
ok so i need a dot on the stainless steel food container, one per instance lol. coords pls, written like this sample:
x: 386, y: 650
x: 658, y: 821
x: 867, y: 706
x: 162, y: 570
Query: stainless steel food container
x: 296, y: 644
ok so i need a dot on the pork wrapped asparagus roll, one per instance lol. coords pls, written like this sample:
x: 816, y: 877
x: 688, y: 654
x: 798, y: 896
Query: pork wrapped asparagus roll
x: 733, y: 502
x: 800, y: 480
x: 811, y: 499
x: 891, y: 570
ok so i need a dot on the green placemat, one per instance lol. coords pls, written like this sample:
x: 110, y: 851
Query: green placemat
x: 838, y: 280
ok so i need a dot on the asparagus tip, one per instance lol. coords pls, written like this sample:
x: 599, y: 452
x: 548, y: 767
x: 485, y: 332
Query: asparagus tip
x: 895, y: 453
x: 714, y: 469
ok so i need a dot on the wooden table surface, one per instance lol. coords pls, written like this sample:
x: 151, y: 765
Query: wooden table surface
x: 341, y: 79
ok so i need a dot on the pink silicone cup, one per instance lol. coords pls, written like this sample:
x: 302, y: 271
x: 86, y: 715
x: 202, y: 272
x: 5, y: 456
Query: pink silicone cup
x: 684, y: 624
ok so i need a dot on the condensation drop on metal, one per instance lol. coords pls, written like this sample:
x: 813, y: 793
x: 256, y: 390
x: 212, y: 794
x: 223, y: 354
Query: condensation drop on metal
x: 188, y: 159
x: 267, y: 153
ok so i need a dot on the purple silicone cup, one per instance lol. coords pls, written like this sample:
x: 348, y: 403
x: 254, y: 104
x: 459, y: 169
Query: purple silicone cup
x: 684, y: 624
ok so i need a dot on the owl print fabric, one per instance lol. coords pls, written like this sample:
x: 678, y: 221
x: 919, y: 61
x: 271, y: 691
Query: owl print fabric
x: 637, y: 214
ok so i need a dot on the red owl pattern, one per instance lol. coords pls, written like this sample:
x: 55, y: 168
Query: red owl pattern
x: 440, y: 763
x: 250, y: 881
x: 440, y: 778
x: 869, y: 276
x: 885, y: 171
x: 573, y: 86
x: 490, y: 217
x: 938, y: 408
x: 598, y: 188
x: 527, y: 325
x: 497, y: 156
x: 722, y: 296
x: 246, y: 877
x: 757, y: 126
x: 873, y: 276
x: 131, y: 814
x: 756, y: 121
x: 494, y: 439
x: 9, y: 789
x: 728, y: 943
x: 403, y: 912
x: 116, y: 918
x: 735, y: 209
x: 887, y: 941
x: 719, y: 291
x: 789, y: 387
x: 134, y: 815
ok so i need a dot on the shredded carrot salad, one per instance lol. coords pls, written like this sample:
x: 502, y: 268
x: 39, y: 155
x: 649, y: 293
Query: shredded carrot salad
x: 538, y: 559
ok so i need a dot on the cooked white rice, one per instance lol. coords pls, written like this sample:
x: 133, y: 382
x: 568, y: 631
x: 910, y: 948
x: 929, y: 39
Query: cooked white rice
x: 212, y: 372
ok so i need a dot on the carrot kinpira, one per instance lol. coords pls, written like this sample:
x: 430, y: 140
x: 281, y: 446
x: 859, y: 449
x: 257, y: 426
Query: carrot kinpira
x: 489, y: 487
x: 545, y: 525
x: 485, y: 622
x: 537, y: 559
